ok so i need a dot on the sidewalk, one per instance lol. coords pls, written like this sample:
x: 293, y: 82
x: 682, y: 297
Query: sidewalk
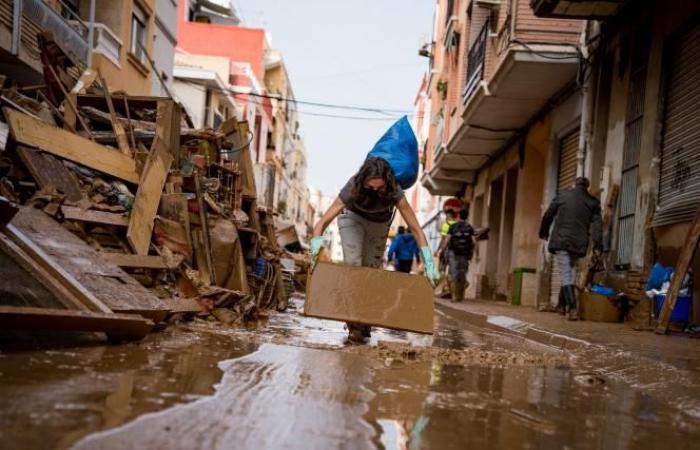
x: 554, y: 330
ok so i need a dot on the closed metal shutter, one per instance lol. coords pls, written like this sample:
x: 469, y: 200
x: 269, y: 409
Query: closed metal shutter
x: 679, y: 177
x: 566, y: 177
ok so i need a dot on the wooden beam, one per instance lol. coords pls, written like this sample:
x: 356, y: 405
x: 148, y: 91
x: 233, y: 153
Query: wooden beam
x: 117, y: 326
x: 204, y: 224
x: 119, y: 132
x: 143, y: 261
x: 153, y: 177
x: 62, y: 143
x: 94, y: 216
x: 682, y: 265
x: 49, y: 265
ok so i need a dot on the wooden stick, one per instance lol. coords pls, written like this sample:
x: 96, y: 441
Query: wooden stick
x: 72, y: 105
x: 119, y: 132
x: 131, y: 126
x: 55, y: 110
x: 684, y: 260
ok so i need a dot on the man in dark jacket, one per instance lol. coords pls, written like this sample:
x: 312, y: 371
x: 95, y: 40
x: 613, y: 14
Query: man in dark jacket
x: 576, y: 216
x: 402, y: 251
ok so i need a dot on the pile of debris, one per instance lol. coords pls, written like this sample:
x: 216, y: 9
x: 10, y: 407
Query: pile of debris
x: 116, y: 214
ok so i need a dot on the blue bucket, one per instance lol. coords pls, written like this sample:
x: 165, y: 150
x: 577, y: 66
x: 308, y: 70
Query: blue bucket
x: 681, y: 311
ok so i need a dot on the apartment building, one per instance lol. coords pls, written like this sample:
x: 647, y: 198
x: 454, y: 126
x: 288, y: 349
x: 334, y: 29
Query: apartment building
x: 504, y: 100
x: 123, y: 43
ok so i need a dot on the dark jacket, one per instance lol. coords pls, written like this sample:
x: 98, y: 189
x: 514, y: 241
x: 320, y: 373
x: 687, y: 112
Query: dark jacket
x: 576, y: 216
x: 404, y: 247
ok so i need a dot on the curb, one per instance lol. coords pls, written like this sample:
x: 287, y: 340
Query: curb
x: 515, y: 327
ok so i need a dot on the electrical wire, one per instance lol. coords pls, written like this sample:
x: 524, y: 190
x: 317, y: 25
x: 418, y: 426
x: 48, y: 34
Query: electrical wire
x: 309, y: 103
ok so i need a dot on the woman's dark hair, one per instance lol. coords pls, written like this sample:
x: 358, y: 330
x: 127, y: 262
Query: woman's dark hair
x: 374, y: 168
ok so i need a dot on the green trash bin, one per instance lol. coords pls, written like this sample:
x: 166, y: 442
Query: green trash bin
x: 517, y: 290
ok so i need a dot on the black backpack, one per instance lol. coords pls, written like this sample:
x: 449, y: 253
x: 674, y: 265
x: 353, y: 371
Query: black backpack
x: 461, y: 242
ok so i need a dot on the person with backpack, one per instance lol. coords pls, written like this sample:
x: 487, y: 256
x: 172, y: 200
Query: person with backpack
x: 402, y: 250
x: 460, y: 249
x: 365, y: 209
x: 576, y: 216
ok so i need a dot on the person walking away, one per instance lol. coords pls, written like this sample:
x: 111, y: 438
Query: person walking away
x: 460, y: 249
x: 365, y: 209
x: 576, y: 216
x: 402, y: 250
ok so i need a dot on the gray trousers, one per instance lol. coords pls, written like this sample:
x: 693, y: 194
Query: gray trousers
x: 363, y: 241
x: 458, y: 265
x: 567, y: 267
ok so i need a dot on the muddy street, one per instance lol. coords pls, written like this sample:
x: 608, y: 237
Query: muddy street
x: 292, y: 382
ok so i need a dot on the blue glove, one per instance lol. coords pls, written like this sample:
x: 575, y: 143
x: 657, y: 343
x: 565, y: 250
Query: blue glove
x: 316, y: 244
x: 429, y: 265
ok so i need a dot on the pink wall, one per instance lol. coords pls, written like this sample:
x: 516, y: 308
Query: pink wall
x: 237, y: 43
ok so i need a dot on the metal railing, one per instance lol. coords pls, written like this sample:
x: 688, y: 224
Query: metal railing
x: 476, y: 61
x: 71, y: 37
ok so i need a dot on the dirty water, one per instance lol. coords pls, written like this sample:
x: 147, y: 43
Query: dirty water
x: 294, y: 383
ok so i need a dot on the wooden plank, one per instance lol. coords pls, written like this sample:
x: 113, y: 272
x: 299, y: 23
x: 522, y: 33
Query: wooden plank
x: 104, y: 281
x: 122, y: 141
x: 62, y: 143
x: 39, y: 274
x: 84, y: 82
x: 682, y: 265
x: 153, y: 177
x: 55, y: 270
x: 117, y: 326
x: 48, y: 171
x: 94, y: 216
x: 370, y: 296
x: 143, y: 261
x: 204, y: 224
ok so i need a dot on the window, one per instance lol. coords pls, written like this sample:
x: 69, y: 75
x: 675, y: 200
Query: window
x: 139, y: 22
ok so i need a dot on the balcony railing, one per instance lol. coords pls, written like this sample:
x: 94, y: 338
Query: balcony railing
x: 71, y: 37
x: 476, y: 61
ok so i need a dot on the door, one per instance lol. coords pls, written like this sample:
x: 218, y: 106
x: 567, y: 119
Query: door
x: 679, y: 176
x: 566, y: 177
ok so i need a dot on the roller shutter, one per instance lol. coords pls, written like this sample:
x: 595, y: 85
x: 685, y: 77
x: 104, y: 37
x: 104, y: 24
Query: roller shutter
x: 679, y: 177
x: 566, y: 176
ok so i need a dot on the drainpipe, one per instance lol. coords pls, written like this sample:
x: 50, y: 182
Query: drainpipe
x: 587, y: 106
x: 16, y: 26
x: 91, y: 34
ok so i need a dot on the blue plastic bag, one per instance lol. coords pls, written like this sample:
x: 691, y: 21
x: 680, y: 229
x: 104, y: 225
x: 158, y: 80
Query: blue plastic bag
x: 658, y: 276
x: 399, y: 148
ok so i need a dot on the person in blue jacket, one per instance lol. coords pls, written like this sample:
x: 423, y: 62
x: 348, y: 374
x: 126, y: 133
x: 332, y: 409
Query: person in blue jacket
x: 402, y: 250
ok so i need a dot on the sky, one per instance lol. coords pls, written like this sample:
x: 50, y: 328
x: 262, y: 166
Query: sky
x: 346, y: 52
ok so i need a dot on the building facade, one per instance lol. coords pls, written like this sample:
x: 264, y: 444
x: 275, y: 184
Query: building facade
x: 123, y: 46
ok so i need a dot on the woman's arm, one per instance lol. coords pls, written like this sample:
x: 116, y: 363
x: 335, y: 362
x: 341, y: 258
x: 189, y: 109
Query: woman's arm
x: 330, y: 214
x: 410, y: 218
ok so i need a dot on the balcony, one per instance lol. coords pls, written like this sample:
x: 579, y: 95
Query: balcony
x: 576, y: 9
x: 476, y: 61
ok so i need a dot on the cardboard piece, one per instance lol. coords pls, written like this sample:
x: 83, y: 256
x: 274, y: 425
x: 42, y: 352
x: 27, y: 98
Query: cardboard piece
x: 370, y: 296
x: 599, y: 308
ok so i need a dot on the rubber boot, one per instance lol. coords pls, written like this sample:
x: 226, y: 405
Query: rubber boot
x: 570, y: 297
x: 561, y: 305
x: 453, y: 291
x: 459, y: 291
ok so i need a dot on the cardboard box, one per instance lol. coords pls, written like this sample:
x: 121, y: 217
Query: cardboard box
x: 370, y: 296
x: 599, y: 308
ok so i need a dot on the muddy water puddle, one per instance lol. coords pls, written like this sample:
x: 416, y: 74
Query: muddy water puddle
x: 294, y: 383
x: 52, y: 398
